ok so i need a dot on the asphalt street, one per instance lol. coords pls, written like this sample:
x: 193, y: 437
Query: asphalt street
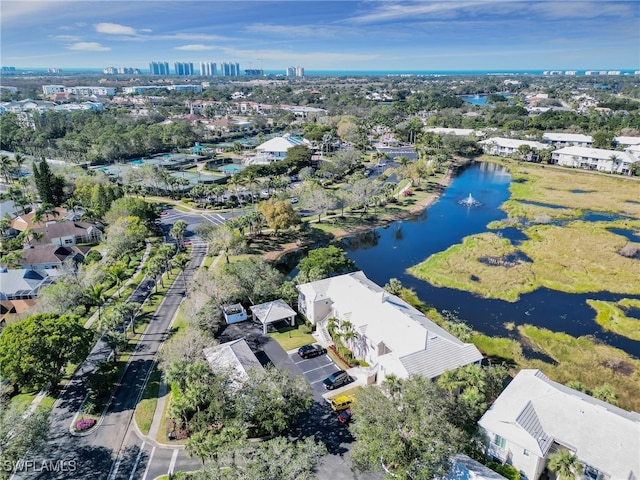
x: 107, y: 452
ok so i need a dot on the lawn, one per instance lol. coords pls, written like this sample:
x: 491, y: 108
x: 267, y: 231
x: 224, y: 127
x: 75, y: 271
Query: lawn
x: 292, y: 339
x: 146, y: 408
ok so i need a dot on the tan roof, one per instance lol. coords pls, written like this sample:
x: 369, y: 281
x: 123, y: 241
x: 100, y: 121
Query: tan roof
x: 22, y: 222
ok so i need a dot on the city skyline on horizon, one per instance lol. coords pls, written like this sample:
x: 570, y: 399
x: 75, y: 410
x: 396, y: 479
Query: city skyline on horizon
x: 477, y: 35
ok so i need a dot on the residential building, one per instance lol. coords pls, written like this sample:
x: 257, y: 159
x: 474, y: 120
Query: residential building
x: 609, y: 161
x: 50, y: 89
x: 67, y: 233
x: 22, y: 283
x: 208, y: 69
x: 458, y: 132
x: 79, y: 90
x: 276, y: 148
x: 44, y: 257
x: 567, y: 139
x: 393, y: 337
x: 159, y: 68
x: 504, y: 147
x: 294, y: 72
x: 235, y: 356
x: 535, y: 417
x: 625, y: 140
x: 27, y: 220
x: 183, y: 68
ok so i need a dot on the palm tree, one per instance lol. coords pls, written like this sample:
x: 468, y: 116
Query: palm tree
x: 117, y: 272
x: 615, y: 161
x: 7, y: 167
x: 177, y: 232
x: 96, y: 296
x: 233, y: 437
x: 564, y: 464
x: 181, y: 261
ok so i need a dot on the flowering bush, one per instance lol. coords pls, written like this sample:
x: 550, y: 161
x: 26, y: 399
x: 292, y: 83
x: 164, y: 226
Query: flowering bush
x: 85, y: 424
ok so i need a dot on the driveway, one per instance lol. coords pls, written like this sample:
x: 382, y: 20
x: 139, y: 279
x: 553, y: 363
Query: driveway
x: 315, y: 370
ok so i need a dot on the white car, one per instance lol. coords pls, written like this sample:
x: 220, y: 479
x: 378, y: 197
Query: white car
x: 294, y: 199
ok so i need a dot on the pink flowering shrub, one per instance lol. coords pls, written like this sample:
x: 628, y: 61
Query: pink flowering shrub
x: 85, y: 424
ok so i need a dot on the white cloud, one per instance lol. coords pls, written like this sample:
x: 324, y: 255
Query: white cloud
x: 66, y: 38
x: 88, y: 47
x: 114, y: 29
x: 298, y: 31
x: 393, y: 12
x: 195, y: 48
x: 192, y: 36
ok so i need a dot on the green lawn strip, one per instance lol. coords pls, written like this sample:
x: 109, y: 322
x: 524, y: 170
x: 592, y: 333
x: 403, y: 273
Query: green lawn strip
x: 587, y: 361
x: 21, y: 401
x: 612, y: 318
x: 147, y: 406
x: 292, y: 338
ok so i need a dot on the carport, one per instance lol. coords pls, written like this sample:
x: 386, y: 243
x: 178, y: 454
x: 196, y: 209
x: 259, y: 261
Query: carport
x: 272, y: 312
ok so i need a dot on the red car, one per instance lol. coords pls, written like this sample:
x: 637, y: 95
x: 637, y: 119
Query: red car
x: 344, y: 416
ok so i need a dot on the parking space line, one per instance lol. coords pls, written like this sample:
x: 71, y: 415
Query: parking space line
x: 314, y: 369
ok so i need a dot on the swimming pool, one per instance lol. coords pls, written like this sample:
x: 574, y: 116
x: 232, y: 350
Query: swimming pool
x: 230, y: 168
x: 137, y: 161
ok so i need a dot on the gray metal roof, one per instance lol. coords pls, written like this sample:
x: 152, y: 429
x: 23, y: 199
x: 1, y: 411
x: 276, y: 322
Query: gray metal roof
x: 439, y: 356
x: 528, y: 419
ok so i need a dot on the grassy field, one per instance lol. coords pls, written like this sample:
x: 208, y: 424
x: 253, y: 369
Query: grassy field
x: 611, y: 316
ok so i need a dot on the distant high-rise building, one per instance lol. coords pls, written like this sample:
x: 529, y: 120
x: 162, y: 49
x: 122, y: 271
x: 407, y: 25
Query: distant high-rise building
x: 183, y: 68
x: 159, y: 68
x: 230, y: 69
x: 295, y: 72
x: 254, y: 72
x: 208, y: 69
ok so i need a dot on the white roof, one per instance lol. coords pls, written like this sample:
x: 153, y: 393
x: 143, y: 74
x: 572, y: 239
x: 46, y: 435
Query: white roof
x: 421, y: 346
x: 628, y: 140
x: 281, y: 144
x: 235, y: 356
x: 567, y: 137
x: 597, y: 153
x: 272, y: 311
x: 455, y: 131
x: 513, y: 143
x: 533, y: 412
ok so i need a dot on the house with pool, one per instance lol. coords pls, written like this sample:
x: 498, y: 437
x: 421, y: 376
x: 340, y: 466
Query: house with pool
x: 393, y: 337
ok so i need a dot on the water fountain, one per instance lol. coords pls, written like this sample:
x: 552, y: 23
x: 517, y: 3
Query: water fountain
x: 470, y: 202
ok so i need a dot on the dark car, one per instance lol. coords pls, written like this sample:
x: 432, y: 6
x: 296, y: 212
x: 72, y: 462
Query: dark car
x: 309, y: 351
x: 336, y: 380
x: 344, y: 416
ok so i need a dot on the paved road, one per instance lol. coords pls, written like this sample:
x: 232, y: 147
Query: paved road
x: 107, y: 452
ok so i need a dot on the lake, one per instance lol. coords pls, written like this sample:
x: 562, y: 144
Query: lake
x: 385, y: 253
x: 479, y: 99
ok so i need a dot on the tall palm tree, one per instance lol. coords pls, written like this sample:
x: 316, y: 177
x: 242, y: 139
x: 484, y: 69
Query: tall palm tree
x: 117, y: 272
x: 177, y: 232
x: 564, y: 464
x: 7, y: 167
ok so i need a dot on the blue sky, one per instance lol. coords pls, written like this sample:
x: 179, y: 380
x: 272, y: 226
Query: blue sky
x: 505, y: 35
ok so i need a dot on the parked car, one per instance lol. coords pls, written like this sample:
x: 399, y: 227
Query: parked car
x: 336, y: 380
x: 344, y: 416
x: 294, y: 199
x: 309, y: 351
x: 343, y: 402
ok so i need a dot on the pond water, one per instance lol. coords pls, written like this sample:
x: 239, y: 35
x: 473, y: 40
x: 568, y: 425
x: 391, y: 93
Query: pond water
x: 479, y: 99
x: 385, y: 253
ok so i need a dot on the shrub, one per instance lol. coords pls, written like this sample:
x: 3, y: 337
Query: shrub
x: 85, y: 424
x: 505, y: 470
x: 89, y: 407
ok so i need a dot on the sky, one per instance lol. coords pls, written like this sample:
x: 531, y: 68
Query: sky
x: 491, y: 35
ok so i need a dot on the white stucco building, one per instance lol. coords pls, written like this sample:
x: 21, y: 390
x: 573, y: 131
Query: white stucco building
x: 567, y: 139
x: 609, y: 161
x: 390, y: 335
x: 535, y: 417
x: 277, y: 147
x: 504, y: 147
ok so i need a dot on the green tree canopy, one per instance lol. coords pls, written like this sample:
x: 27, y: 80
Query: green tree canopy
x: 324, y: 262
x: 34, y: 351
x: 405, y: 427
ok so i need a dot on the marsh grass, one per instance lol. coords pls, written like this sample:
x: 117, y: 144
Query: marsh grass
x: 611, y: 317
x: 586, y: 360
x: 580, y: 257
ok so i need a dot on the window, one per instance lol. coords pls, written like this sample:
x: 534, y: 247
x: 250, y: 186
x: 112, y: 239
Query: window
x: 525, y: 452
x: 499, y: 441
